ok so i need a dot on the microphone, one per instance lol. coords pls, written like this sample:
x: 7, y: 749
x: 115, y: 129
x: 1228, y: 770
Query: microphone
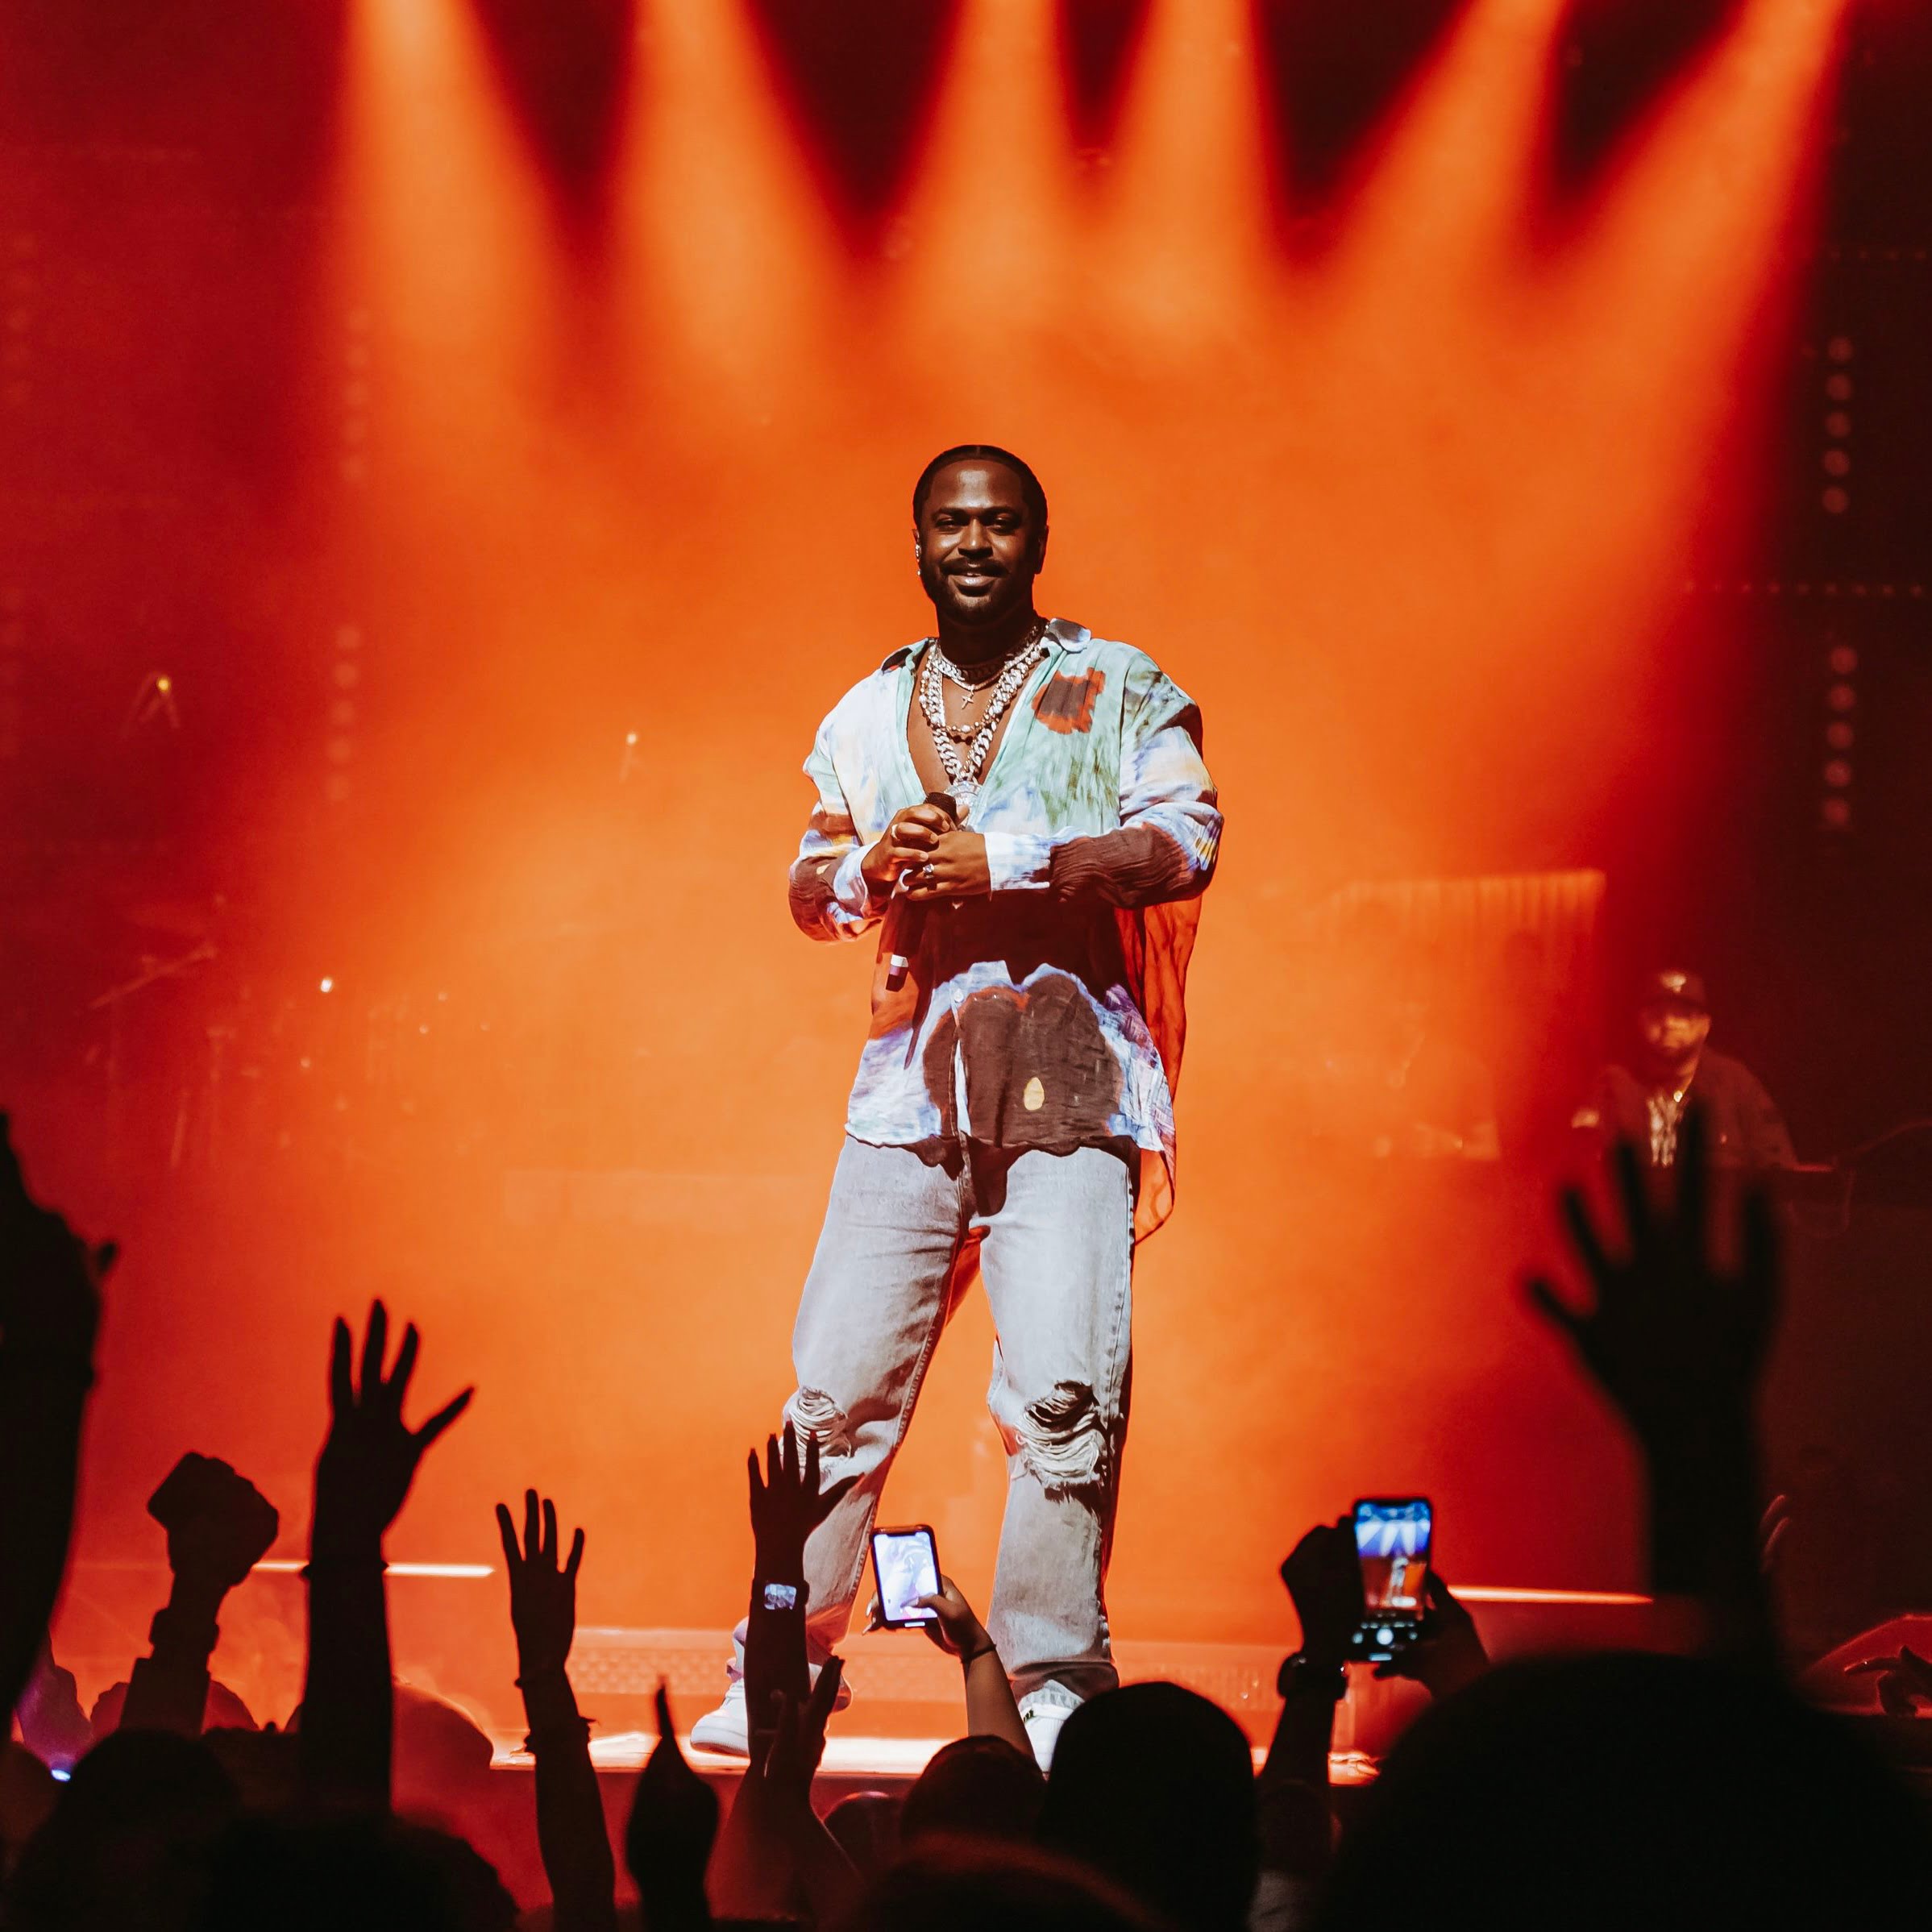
x: 908, y: 917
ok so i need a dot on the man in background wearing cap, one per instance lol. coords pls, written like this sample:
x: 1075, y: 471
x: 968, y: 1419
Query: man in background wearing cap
x: 1676, y: 1071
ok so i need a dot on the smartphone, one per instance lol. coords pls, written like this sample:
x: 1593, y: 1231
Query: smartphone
x: 905, y: 1564
x: 1392, y: 1538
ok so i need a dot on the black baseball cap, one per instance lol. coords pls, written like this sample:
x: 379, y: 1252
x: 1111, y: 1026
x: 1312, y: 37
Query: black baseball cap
x: 1672, y: 985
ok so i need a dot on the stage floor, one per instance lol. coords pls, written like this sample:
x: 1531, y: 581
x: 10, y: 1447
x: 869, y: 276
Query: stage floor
x: 852, y: 1763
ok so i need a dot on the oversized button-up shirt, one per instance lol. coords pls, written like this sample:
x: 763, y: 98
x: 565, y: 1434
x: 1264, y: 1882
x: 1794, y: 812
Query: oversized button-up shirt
x: 1047, y: 1013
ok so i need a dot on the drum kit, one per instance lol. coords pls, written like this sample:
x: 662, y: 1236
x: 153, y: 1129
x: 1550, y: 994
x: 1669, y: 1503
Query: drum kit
x: 198, y: 1051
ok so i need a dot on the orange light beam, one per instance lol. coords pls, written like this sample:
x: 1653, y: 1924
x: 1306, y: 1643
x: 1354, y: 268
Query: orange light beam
x: 452, y: 233
x: 1188, y: 237
x: 732, y: 248
x: 988, y: 221
x: 1451, y: 177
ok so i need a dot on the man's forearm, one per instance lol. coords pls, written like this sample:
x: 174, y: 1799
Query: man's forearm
x: 348, y: 1701
x: 1134, y: 866
x: 989, y: 1708
x: 571, y: 1831
x: 168, y: 1690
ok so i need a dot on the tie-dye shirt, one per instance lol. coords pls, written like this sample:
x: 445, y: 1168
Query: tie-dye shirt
x: 1047, y: 1013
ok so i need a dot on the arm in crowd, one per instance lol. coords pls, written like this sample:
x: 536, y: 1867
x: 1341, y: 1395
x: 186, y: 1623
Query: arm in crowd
x: 362, y: 1477
x: 773, y: 1850
x: 990, y: 1711
x: 50, y: 1309
x: 1677, y: 1340
x: 219, y: 1526
x: 571, y: 1831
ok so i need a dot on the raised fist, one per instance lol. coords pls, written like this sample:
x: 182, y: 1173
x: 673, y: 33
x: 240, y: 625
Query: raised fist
x: 219, y: 1525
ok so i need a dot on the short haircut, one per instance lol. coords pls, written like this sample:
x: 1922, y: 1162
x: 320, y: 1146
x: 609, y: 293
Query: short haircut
x: 1031, y: 494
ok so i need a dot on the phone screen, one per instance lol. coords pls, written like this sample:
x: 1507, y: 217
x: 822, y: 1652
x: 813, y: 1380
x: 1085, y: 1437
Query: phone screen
x: 907, y: 1564
x: 1392, y: 1538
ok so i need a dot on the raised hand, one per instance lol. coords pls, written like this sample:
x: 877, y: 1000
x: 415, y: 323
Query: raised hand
x: 50, y: 1279
x: 543, y: 1592
x: 798, y: 1736
x: 1902, y: 1680
x: 1673, y: 1339
x: 219, y: 1525
x: 674, y: 1822
x: 369, y: 1458
x: 774, y: 1854
x: 787, y: 1504
x: 1449, y: 1652
x: 1324, y: 1578
x: 955, y: 1627
x: 1678, y: 1345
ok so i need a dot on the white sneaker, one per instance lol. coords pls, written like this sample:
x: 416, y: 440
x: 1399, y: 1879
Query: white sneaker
x: 1043, y: 1712
x: 726, y: 1730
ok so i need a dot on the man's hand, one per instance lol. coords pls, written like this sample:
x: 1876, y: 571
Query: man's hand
x: 1676, y: 1342
x: 219, y: 1525
x: 956, y: 1629
x: 1902, y: 1680
x: 1448, y: 1653
x: 543, y: 1592
x: 796, y: 1742
x: 908, y: 840
x: 787, y: 1505
x: 955, y: 868
x: 50, y: 1279
x: 1324, y: 1578
x: 369, y: 1458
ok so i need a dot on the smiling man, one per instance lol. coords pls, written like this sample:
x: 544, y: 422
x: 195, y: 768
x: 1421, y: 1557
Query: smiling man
x: 1023, y: 809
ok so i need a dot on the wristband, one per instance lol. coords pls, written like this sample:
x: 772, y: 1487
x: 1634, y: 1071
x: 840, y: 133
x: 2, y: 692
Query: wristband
x: 560, y: 1730
x: 1301, y: 1675
x: 170, y: 1628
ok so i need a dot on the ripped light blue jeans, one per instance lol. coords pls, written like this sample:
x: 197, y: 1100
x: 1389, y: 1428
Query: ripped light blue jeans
x: 1055, y: 1239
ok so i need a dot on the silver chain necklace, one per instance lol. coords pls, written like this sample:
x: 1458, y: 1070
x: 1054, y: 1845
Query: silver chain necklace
x: 964, y: 774
x: 947, y: 669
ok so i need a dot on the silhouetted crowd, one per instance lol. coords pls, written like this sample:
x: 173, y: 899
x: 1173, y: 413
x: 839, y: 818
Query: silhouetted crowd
x: 1682, y: 1785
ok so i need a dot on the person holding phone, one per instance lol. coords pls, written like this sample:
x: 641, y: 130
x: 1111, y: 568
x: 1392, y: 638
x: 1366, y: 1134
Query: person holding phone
x: 1021, y: 811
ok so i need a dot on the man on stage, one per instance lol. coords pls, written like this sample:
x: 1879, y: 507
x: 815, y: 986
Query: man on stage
x: 1025, y: 808
x: 1675, y: 1071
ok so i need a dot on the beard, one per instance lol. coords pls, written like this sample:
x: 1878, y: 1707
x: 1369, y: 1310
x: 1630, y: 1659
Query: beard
x: 1011, y: 592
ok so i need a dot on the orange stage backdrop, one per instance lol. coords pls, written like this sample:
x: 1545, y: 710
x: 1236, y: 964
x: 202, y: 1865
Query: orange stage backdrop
x: 605, y: 502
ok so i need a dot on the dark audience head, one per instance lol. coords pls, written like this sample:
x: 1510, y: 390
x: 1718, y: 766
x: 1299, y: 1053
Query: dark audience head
x: 865, y: 1825
x: 952, y: 1886
x: 1621, y: 1790
x: 224, y: 1710
x: 27, y: 1793
x: 330, y: 1874
x: 978, y: 1787
x: 264, y: 1766
x: 441, y: 1752
x: 128, y: 1843
x: 1153, y: 1786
